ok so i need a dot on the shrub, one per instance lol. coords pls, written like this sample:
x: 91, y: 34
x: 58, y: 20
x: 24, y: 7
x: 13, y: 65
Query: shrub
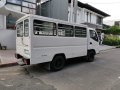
x: 111, y: 40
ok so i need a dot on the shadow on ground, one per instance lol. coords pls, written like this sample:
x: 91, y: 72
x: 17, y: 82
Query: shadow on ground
x: 39, y: 68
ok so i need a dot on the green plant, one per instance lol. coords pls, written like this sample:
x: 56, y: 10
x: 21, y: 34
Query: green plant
x: 111, y: 40
x: 115, y: 30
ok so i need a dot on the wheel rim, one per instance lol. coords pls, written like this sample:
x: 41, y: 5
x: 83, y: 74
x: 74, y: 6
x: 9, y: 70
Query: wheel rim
x: 59, y: 64
x: 91, y: 56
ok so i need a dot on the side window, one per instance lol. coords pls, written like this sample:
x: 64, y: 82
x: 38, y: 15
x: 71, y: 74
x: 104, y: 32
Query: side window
x: 44, y: 28
x: 26, y: 28
x: 80, y: 32
x: 93, y: 35
x: 20, y: 29
x: 65, y: 30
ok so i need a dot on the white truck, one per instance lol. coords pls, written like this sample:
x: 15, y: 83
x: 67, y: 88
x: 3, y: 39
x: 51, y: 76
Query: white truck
x: 41, y: 39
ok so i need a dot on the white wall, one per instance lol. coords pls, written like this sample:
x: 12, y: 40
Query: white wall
x: 79, y: 16
x: 89, y: 18
x: 85, y: 14
x: 82, y: 16
x: 2, y: 3
x: 14, y: 7
x: 2, y: 22
x: 70, y: 14
x: 8, y: 38
x: 93, y: 18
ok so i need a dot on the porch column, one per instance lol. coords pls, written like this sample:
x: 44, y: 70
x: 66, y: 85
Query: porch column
x: 75, y: 10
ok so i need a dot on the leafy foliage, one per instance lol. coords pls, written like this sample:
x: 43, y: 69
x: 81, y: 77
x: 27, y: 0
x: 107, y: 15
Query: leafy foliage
x: 115, y: 30
x: 111, y: 40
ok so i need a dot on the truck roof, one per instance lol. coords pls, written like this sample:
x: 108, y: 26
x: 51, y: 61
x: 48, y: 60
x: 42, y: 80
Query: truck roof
x: 51, y: 20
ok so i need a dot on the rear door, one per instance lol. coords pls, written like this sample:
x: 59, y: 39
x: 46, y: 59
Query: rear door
x: 23, y: 38
x: 26, y: 38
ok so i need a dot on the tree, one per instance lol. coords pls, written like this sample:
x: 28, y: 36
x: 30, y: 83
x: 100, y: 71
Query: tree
x: 115, y: 30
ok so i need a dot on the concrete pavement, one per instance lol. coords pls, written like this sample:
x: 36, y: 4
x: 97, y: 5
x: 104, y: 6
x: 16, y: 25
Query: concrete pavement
x: 105, y: 47
x: 17, y: 78
x: 7, y: 58
x: 102, y: 74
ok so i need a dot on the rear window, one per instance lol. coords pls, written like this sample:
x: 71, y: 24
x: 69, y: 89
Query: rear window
x: 26, y: 28
x: 19, y: 29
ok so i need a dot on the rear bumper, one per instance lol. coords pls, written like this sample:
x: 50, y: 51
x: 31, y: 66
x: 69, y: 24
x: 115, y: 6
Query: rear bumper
x: 18, y: 56
x: 23, y: 60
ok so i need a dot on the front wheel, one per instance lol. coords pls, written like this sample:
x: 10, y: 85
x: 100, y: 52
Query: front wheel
x: 90, y: 56
x: 57, y: 63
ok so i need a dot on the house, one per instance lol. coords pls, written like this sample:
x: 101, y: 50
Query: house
x: 91, y: 16
x: 117, y: 23
x: 10, y: 11
x: 57, y: 9
x: 68, y: 10
x: 74, y: 11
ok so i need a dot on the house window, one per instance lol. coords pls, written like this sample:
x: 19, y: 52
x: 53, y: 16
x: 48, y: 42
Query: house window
x: 10, y: 22
x: 99, y: 20
x: 28, y: 7
x: 18, y: 2
x: 25, y: 6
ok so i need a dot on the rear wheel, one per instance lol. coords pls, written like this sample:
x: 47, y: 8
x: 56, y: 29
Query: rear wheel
x: 90, y: 56
x: 57, y: 63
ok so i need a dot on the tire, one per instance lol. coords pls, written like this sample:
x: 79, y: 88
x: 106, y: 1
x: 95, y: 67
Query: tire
x: 57, y: 63
x: 90, y: 56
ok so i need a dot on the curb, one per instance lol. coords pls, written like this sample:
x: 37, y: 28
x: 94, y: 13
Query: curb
x: 8, y: 65
x: 107, y: 49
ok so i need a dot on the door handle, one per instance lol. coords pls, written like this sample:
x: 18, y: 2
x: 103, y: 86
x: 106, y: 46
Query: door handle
x: 90, y: 42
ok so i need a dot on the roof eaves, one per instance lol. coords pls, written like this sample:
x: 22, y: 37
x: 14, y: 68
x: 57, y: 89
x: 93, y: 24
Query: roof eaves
x: 89, y: 7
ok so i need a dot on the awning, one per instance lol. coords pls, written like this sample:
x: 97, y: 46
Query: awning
x: 6, y: 11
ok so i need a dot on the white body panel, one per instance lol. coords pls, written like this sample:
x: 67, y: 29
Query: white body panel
x: 40, y: 49
x: 45, y: 48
